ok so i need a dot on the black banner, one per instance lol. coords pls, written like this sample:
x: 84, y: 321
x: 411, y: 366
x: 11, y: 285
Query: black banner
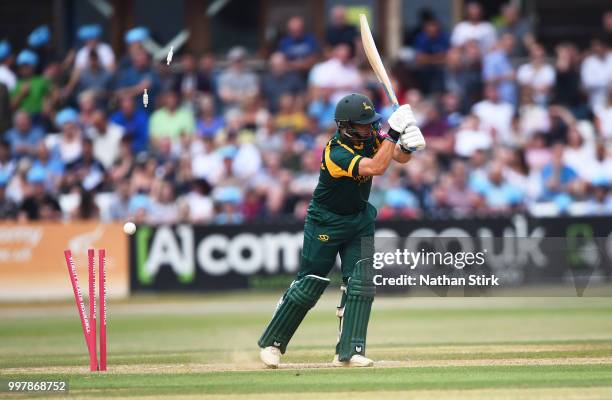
x: 208, y: 258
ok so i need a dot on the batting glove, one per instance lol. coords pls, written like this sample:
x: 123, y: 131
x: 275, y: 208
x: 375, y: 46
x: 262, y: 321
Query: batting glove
x: 402, y: 118
x: 412, y: 139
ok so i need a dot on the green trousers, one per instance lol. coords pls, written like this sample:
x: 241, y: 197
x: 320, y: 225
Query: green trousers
x: 327, y: 234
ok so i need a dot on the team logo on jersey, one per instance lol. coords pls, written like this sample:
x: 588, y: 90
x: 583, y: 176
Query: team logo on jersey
x: 362, y: 179
x: 324, y: 238
x: 366, y: 106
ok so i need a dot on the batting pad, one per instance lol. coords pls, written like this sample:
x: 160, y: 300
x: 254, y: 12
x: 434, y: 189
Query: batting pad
x: 360, y: 294
x: 301, y: 296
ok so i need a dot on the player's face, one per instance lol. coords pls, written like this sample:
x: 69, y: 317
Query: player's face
x: 364, y: 131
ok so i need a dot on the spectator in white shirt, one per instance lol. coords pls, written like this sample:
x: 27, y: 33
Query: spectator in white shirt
x: 106, y: 137
x: 603, y: 119
x: 470, y: 138
x: 237, y: 82
x: 495, y: 116
x: 338, y: 73
x: 90, y: 36
x: 7, y: 76
x: 596, y: 73
x: 474, y: 28
x: 537, y: 75
x: 579, y: 154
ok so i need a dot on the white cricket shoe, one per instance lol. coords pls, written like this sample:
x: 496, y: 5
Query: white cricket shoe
x: 356, y: 360
x: 270, y: 356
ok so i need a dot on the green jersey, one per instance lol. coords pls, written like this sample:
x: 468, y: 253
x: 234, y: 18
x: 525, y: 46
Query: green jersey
x: 33, y: 101
x: 341, y: 189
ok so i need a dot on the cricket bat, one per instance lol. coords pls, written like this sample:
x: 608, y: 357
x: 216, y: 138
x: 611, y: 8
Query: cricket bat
x: 371, y: 53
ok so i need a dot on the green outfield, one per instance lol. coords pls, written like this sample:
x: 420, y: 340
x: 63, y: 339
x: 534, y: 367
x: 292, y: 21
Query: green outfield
x: 427, y: 348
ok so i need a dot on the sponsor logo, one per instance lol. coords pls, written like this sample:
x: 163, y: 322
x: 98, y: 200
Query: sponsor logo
x: 276, y: 344
x: 358, y: 349
x: 366, y: 106
x: 324, y: 238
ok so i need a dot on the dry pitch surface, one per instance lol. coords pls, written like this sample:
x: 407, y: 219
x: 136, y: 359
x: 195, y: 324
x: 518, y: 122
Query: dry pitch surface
x: 432, y: 348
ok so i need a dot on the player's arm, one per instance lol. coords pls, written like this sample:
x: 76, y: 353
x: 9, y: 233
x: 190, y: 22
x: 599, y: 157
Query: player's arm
x: 400, y: 155
x: 381, y: 160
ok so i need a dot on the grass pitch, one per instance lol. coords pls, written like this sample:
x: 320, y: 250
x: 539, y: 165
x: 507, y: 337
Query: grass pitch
x: 427, y: 348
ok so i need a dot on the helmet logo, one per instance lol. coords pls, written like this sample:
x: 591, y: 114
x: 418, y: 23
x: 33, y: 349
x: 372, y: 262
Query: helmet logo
x: 366, y: 106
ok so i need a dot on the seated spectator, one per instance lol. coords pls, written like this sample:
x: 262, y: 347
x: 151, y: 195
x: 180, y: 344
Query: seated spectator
x: 139, y: 207
x: 24, y: 137
x: 567, y: 91
x: 298, y: 46
x: 338, y: 73
x: 237, y: 82
x: 340, y: 30
x: 164, y: 208
x: 557, y: 177
x: 463, y: 75
x: 91, y: 77
x: 208, y: 124
x: 290, y: 116
x: 596, y: 73
x: 471, y: 138
x: 537, y: 75
x: 7, y: 76
x: 50, y: 163
x: 499, y: 196
x: 278, y: 80
x: 537, y: 153
x: 450, y: 109
x: 139, y: 75
x: 560, y: 122
x: 579, y: 154
x: 207, y: 163
x: 118, y: 209
x: 190, y: 83
x: 170, y: 121
x: 495, y: 116
x: 497, y: 69
x: 457, y: 195
x: 431, y: 46
x: 87, y: 107
x: 600, y: 201
x: 87, y: 209
x: 198, y: 203
x: 90, y: 35
x: 31, y: 89
x: 86, y: 171
x: 474, y: 28
x: 135, y: 123
x: 603, y: 119
x: 38, y: 205
x: 520, y: 28
x: 39, y: 42
x: 134, y: 40
x: 322, y: 109
x: 227, y: 201
x: 69, y: 144
x: 106, y: 137
x: 533, y: 118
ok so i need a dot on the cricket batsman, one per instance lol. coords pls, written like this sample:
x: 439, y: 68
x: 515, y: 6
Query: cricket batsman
x: 339, y: 216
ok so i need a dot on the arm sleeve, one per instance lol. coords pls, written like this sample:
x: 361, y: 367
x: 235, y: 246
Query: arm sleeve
x: 341, y: 161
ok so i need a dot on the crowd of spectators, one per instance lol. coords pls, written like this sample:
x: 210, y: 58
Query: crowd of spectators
x: 511, y: 126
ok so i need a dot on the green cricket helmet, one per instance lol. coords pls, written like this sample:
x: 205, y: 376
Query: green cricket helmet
x: 352, y: 109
